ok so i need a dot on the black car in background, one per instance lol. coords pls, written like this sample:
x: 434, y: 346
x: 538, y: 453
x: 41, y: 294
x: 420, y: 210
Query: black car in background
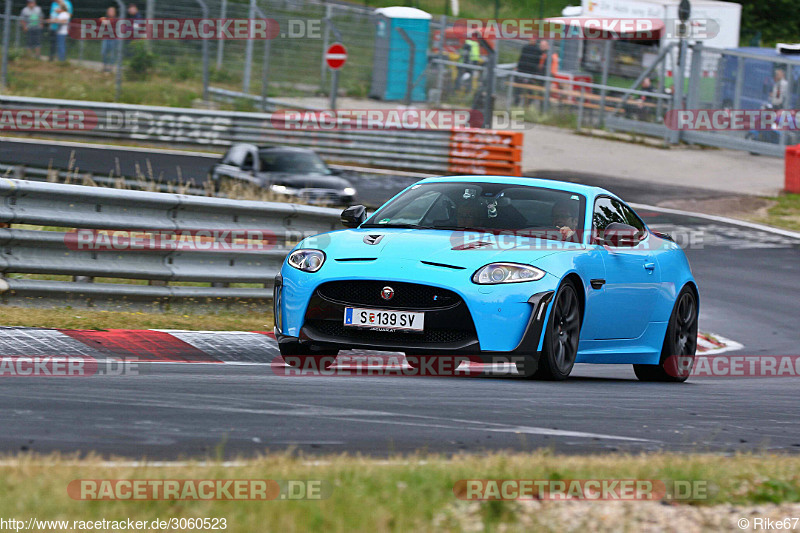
x: 293, y: 172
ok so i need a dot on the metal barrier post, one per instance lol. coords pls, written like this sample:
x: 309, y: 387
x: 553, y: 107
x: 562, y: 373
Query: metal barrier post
x: 326, y: 37
x: 221, y: 42
x: 695, y: 77
x: 335, y: 77
x: 604, y: 81
x: 488, y: 104
x: 265, y: 68
x: 248, y: 51
x: 204, y: 9
x: 580, y: 108
x: 412, y: 49
x: 547, y: 66
x: 677, y: 86
x: 6, y: 39
x: 737, y: 90
x: 783, y: 138
x: 120, y: 46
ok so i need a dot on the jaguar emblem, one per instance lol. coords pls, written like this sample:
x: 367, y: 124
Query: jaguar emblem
x: 387, y: 293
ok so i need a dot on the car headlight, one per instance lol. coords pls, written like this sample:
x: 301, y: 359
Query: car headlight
x: 282, y: 189
x: 349, y: 191
x: 495, y: 273
x: 307, y: 260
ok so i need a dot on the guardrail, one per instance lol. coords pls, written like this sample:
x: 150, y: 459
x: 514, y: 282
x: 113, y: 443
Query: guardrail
x: 36, y: 251
x: 473, y: 151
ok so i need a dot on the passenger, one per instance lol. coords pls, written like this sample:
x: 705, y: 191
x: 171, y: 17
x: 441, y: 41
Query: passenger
x: 565, y: 218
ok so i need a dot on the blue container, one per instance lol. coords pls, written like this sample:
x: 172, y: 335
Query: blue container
x: 393, y: 54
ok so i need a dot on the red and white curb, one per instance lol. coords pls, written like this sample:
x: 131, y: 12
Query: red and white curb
x: 227, y: 347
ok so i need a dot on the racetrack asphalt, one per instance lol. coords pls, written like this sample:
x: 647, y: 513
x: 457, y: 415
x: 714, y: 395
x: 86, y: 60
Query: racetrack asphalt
x: 747, y: 279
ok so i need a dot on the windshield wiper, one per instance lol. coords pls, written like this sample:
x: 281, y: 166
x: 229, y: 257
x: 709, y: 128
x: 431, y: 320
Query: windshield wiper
x: 406, y: 226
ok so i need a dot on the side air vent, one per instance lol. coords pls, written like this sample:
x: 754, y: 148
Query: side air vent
x: 431, y: 263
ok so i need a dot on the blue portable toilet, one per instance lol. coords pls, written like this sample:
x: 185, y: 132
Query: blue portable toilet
x: 391, y: 60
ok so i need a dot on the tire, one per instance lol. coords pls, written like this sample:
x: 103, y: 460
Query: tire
x: 561, y: 336
x: 680, y: 340
x: 301, y: 357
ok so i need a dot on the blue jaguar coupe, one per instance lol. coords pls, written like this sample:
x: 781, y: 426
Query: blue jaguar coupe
x: 541, y: 273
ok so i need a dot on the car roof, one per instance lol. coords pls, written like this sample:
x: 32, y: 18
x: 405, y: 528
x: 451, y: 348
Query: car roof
x: 586, y: 190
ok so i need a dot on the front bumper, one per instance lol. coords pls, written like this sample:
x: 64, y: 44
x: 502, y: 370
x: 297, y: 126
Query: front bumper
x: 474, y: 327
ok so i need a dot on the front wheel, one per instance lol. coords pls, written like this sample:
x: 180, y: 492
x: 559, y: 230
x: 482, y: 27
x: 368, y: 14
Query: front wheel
x: 680, y: 343
x: 561, y: 337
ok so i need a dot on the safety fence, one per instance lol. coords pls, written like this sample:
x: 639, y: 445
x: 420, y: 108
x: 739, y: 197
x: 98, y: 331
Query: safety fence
x: 144, y: 248
x: 475, y: 151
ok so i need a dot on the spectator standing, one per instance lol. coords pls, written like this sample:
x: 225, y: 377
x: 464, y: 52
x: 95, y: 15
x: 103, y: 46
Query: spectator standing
x: 134, y: 16
x: 528, y: 63
x: 108, y: 47
x: 32, y: 26
x: 54, y: 26
x: 779, y: 96
x: 61, y: 20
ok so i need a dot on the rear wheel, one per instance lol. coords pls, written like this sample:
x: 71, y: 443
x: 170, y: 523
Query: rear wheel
x: 680, y: 341
x: 561, y: 336
x: 304, y: 357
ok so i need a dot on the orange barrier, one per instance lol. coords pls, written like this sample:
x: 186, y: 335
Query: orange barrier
x: 479, y: 151
x: 792, y: 177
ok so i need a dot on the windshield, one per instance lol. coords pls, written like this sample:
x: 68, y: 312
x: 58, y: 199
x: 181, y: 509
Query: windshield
x: 292, y: 162
x: 484, y: 206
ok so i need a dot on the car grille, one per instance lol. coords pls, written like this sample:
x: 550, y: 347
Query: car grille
x: 448, y: 323
x: 318, y: 195
x: 406, y: 295
x: 432, y: 336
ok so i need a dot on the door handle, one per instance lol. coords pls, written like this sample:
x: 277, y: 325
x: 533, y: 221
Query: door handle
x: 649, y: 266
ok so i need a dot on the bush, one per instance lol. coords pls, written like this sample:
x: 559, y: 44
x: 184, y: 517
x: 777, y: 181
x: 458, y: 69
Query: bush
x: 140, y: 62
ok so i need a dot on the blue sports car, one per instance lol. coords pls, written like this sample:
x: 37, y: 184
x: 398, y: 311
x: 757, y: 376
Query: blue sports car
x: 541, y: 273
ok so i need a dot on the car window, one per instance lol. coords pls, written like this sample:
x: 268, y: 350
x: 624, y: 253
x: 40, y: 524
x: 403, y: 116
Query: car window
x: 292, y: 162
x: 235, y: 156
x: 630, y: 216
x: 549, y: 213
x: 608, y: 210
x: 247, y: 164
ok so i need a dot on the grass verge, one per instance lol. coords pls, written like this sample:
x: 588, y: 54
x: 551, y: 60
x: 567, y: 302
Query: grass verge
x: 403, y: 494
x: 785, y: 213
x: 73, y: 318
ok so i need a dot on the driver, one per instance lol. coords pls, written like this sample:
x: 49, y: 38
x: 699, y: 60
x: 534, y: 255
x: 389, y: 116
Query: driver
x: 565, y: 218
x: 468, y: 214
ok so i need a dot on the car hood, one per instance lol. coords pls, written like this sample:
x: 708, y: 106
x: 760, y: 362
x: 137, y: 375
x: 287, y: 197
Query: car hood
x: 457, y: 249
x: 305, y: 181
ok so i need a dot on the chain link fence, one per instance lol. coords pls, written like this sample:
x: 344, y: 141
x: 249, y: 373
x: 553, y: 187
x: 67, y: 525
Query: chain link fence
x: 618, y: 84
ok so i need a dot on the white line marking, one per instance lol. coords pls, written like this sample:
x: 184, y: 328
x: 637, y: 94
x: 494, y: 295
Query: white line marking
x: 728, y: 345
x: 715, y: 218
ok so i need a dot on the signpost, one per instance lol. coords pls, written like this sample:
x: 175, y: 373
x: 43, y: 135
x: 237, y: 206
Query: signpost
x: 335, y: 58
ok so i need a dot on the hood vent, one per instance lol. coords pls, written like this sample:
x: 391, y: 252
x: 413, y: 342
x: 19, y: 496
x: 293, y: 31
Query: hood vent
x: 442, y: 265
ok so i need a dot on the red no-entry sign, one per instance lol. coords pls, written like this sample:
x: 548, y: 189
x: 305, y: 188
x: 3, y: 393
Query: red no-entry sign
x: 336, y: 56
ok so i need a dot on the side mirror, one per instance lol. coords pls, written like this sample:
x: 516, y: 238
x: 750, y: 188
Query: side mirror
x: 335, y: 171
x: 354, y: 216
x: 618, y: 234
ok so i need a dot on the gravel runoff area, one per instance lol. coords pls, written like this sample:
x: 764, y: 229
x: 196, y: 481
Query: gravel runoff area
x: 613, y: 517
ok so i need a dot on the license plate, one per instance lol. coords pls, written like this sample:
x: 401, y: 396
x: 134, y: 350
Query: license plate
x: 379, y: 318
